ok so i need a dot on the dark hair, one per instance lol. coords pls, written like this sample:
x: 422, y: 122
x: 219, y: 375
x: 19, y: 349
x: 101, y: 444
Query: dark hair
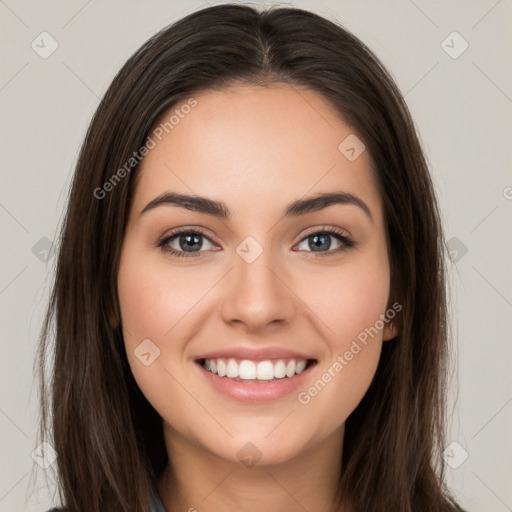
x: 109, y: 439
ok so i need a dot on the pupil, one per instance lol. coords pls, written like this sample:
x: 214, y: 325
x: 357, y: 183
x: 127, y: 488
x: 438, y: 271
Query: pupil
x: 190, y: 240
x: 316, y: 240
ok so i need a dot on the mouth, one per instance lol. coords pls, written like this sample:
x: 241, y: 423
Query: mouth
x: 256, y: 372
x: 250, y: 381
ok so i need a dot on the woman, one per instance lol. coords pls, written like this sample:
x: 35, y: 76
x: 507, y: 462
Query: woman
x: 249, y: 304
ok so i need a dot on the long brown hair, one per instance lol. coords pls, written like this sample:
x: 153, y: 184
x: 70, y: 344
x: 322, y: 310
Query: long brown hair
x: 108, y: 438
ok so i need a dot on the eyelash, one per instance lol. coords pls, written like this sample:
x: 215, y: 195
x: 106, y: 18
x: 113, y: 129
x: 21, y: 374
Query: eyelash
x: 162, y: 243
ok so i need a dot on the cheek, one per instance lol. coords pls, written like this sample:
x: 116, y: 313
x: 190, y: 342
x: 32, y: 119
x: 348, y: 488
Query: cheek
x: 161, y: 306
x: 348, y: 300
x: 153, y: 306
x: 153, y: 300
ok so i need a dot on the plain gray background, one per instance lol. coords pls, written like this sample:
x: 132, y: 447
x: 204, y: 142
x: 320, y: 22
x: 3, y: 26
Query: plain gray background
x: 461, y: 100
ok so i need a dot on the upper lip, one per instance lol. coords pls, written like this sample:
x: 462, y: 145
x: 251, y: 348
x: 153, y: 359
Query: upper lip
x: 254, y: 354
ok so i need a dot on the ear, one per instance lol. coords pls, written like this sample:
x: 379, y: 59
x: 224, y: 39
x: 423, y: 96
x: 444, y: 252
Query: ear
x: 390, y: 331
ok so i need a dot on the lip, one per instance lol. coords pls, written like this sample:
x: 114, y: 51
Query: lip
x: 254, y: 354
x: 254, y: 392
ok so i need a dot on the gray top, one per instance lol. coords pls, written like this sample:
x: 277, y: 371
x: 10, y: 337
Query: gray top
x: 156, y: 503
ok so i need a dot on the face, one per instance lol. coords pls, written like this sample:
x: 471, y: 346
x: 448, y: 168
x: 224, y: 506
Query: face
x: 262, y: 287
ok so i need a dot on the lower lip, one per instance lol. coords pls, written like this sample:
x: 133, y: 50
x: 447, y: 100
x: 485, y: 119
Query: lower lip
x: 254, y: 391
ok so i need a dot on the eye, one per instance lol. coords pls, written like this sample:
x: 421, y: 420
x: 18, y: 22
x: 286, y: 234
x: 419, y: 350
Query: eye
x: 320, y: 241
x: 185, y: 243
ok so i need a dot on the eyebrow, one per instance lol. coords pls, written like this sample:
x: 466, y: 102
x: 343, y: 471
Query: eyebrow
x: 219, y: 209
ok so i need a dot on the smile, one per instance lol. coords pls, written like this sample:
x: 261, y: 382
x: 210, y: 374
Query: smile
x: 255, y: 380
x: 245, y: 370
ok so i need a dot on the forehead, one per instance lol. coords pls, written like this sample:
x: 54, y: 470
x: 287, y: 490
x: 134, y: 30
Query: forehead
x: 253, y: 146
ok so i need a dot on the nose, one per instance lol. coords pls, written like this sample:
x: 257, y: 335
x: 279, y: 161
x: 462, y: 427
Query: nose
x: 257, y: 295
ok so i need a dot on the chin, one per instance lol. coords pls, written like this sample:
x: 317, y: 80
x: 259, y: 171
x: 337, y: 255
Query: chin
x: 260, y: 449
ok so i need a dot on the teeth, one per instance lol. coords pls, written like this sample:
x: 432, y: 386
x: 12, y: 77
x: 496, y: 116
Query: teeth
x: 221, y: 367
x: 251, y: 370
x: 247, y: 370
x: 265, y: 370
x: 232, y: 369
x: 279, y: 370
x: 301, y: 365
x: 290, y: 369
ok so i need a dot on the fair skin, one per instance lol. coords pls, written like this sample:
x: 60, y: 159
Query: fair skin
x: 257, y: 150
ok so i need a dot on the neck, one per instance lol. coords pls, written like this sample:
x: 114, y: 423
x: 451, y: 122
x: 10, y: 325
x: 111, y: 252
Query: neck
x: 199, y: 480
